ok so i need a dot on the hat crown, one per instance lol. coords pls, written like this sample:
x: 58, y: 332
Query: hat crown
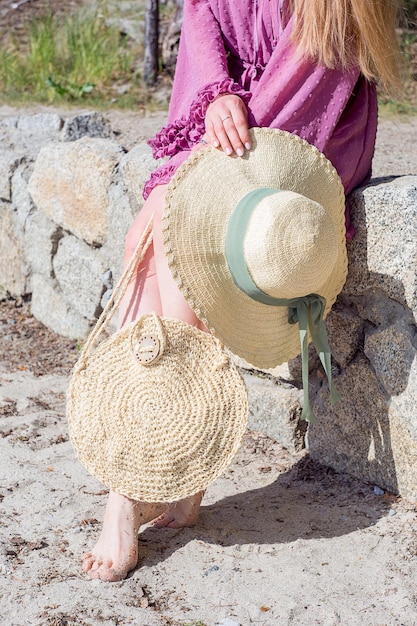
x: 290, y: 247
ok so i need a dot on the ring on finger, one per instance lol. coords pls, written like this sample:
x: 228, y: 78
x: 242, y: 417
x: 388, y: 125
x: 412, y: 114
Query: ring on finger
x: 229, y: 117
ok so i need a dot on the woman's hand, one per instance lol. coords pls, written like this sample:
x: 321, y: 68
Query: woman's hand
x: 227, y: 124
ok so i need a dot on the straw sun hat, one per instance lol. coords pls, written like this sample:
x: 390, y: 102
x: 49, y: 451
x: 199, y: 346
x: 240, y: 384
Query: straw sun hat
x: 256, y: 242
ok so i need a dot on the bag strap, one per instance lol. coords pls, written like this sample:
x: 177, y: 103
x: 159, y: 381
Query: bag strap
x: 119, y: 290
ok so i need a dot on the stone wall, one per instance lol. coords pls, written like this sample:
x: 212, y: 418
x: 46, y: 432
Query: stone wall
x: 68, y: 193
x: 372, y: 432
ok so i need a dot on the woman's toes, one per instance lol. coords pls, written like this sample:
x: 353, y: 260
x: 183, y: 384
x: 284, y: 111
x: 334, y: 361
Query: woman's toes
x: 114, y: 575
x: 174, y: 523
x: 87, y: 562
x: 108, y: 574
x: 162, y: 520
x: 96, y: 564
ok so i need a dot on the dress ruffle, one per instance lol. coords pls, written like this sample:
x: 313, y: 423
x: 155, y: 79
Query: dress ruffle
x: 185, y: 132
x: 161, y: 176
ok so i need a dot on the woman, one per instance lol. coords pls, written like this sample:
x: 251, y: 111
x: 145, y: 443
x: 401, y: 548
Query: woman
x: 309, y: 68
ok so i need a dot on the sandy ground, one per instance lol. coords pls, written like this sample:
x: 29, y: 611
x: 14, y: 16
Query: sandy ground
x: 280, y: 541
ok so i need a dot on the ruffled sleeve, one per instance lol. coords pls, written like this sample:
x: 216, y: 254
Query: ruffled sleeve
x: 201, y: 75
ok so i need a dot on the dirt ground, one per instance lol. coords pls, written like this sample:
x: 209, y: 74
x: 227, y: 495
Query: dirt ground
x: 280, y: 541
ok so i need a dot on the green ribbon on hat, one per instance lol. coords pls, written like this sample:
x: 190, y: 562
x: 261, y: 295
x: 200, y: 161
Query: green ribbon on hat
x: 307, y: 310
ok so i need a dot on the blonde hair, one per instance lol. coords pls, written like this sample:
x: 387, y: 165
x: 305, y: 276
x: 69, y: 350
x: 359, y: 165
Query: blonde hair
x: 346, y: 33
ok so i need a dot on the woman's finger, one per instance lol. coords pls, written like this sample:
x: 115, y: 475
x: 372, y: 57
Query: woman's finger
x: 239, y: 115
x: 240, y: 119
x: 202, y: 143
x: 210, y: 133
x: 222, y: 135
x: 229, y: 137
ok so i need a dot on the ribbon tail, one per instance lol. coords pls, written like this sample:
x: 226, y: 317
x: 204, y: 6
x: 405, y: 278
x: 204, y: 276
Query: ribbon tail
x: 308, y: 312
x: 307, y: 413
x: 325, y: 360
x: 321, y: 343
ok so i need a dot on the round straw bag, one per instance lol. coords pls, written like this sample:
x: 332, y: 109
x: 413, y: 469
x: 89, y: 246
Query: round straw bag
x: 157, y: 411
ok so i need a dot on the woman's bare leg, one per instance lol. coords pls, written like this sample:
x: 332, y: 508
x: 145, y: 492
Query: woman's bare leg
x: 116, y: 551
x: 184, y: 512
x: 142, y: 295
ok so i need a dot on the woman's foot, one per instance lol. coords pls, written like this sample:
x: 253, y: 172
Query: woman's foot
x: 116, y: 551
x: 180, y: 514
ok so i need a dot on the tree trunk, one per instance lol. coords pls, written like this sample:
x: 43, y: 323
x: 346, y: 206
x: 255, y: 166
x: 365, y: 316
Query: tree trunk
x: 150, y: 64
x: 170, y: 42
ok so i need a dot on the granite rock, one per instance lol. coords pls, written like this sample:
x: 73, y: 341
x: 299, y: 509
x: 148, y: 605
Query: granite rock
x: 70, y: 184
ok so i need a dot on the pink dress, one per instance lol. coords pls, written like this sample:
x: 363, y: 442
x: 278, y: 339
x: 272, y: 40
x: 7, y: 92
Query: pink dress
x: 243, y: 47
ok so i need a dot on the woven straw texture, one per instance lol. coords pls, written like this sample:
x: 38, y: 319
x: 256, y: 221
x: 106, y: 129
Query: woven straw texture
x: 200, y: 199
x: 164, y: 429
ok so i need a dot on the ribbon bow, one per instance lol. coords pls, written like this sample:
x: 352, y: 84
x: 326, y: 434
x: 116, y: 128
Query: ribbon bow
x: 308, y: 312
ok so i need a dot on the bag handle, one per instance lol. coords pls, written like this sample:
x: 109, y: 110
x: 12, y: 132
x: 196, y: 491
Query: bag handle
x: 119, y: 290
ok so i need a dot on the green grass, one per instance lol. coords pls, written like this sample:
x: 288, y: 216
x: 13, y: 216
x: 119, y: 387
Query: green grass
x: 79, y: 58
x: 404, y: 103
x: 394, y: 108
x: 71, y: 59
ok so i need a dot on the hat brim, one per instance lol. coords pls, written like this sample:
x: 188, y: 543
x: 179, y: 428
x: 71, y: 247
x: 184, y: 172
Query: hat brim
x: 199, y: 202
